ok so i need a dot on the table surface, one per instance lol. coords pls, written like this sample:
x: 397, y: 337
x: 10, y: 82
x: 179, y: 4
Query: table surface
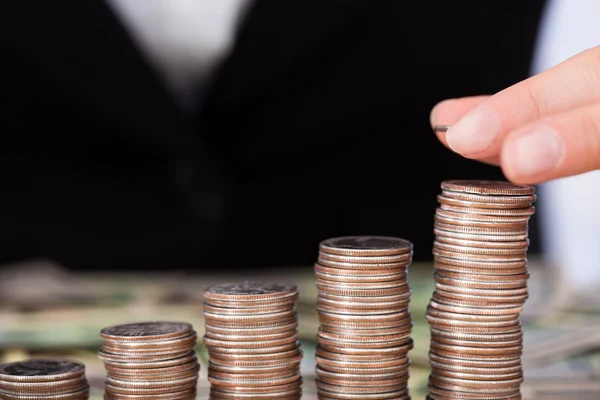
x: 46, y: 311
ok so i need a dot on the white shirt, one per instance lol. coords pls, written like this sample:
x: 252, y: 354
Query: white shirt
x: 569, y: 208
x: 184, y: 40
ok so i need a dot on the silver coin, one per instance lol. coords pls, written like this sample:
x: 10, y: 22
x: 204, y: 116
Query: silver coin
x: 40, y: 370
x: 249, y: 288
x: 145, y: 329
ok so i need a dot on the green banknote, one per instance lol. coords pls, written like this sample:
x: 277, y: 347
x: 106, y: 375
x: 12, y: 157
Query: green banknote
x: 45, y: 311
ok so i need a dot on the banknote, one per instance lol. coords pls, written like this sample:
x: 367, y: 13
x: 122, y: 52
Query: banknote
x: 47, y: 311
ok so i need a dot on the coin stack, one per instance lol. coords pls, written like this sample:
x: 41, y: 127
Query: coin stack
x: 43, y: 379
x: 150, y: 360
x: 480, y: 289
x: 365, y: 324
x: 251, y: 338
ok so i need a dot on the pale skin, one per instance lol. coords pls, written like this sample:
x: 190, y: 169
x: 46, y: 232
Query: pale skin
x: 543, y: 128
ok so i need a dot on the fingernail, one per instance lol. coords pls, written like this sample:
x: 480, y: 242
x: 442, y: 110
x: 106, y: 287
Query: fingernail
x: 534, y: 153
x: 474, y: 132
x: 433, y: 114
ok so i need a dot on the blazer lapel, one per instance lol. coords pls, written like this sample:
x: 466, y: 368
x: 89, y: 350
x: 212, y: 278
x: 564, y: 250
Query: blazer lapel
x: 274, y: 37
x: 83, y: 49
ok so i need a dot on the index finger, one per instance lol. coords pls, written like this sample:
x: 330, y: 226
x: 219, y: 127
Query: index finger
x: 573, y: 83
x: 449, y: 111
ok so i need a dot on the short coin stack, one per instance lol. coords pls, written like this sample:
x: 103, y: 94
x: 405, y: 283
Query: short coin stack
x: 480, y: 289
x: 43, y: 379
x: 251, y: 338
x: 365, y: 324
x: 150, y: 360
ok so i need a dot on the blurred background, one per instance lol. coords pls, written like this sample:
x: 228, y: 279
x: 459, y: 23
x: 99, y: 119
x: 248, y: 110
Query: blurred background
x: 153, y: 147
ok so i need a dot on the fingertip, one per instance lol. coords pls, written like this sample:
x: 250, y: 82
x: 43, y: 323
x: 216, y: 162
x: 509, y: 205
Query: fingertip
x: 440, y: 129
x: 433, y: 115
x: 533, y: 155
x: 448, y: 111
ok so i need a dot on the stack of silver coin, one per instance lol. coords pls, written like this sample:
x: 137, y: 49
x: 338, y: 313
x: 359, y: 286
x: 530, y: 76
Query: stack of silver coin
x: 43, y: 379
x: 251, y: 338
x: 480, y: 290
x: 365, y: 323
x: 150, y: 360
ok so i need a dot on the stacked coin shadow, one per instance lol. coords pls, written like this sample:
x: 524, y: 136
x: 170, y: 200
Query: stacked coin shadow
x: 251, y: 339
x: 150, y: 360
x: 365, y: 323
x: 480, y: 290
x: 43, y: 379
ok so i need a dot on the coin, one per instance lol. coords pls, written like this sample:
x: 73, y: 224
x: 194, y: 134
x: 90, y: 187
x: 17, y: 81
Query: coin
x: 188, y: 394
x: 43, y: 379
x: 145, y: 367
x: 363, y: 292
x: 289, y: 394
x: 460, y: 249
x: 250, y: 291
x: 365, y: 299
x: 481, y: 279
x: 513, y: 212
x: 496, y: 266
x: 487, y: 198
x: 365, y: 246
x: 487, y: 187
x: 398, y: 258
x: 481, y: 264
x: 476, y: 204
x: 353, y: 283
x: 375, y: 388
x: 393, y: 395
x: 290, y: 357
x: 442, y: 233
x: 286, y: 301
x: 284, y: 368
x: 436, y: 312
x: 247, y: 310
x: 250, y: 318
x: 188, y: 372
x: 519, y: 229
x: 477, y: 243
x: 441, y: 128
x: 81, y: 394
x: 177, y: 368
x: 369, y: 277
x: 467, y: 217
x: 250, y: 333
x: 154, y: 359
x: 350, y: 265
x: 40, y: 370
x: 152, y: 346
x: 359, y: 305
x: 359, y: 273
x: 361, y: 380
x: 365, y: 323
x: 146, y: 331
x: 490, y: 223
x: 251, y: 339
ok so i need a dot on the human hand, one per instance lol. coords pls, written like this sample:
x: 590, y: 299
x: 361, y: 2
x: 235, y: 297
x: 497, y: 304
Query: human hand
x: 543, y: 128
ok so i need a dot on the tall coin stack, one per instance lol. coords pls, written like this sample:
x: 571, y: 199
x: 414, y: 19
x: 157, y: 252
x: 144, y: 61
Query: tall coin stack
x: 480, y: 289
x: 251, y: 338
x: 365, y: 324
x: 43, y: 379
x: 150, y: 360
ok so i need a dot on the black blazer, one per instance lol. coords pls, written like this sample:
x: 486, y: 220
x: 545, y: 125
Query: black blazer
x: 315, y: 126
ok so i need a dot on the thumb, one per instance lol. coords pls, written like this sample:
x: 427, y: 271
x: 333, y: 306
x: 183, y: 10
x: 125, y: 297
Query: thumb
x: 560, y: 145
